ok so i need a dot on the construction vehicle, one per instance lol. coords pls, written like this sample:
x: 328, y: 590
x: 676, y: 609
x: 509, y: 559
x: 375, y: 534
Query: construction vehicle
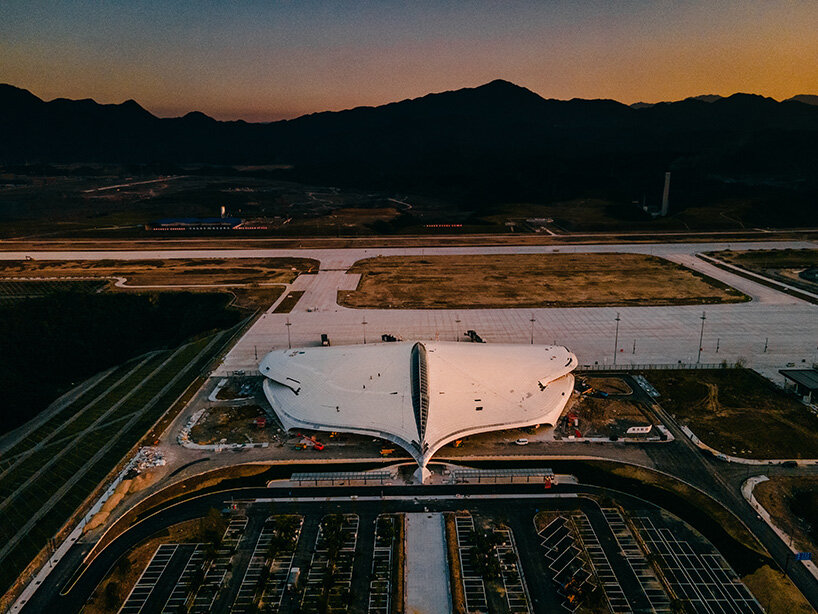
x: 387, y: 451
x: 458, y: 443
x: 306, y: 441
x: 315, y: 443
x: 386, y: 337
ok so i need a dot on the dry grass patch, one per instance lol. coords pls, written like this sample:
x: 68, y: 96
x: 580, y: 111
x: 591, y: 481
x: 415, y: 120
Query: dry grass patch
x: 798, y: 267
x: 181, y: 271
x: 529, y: 280
x: 289, y: 302
x: 455, y: 573
x: 738, y: 412
x: 793, y: 505
x: 399, y: 565
x: 776, y: 593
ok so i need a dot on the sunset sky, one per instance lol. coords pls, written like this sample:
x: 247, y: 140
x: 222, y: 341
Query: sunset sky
x: 271, y: 59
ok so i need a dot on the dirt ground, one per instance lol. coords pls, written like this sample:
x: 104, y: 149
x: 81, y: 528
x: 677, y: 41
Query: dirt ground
x: 738, y: 412
x: 777, y: 496
x: 609, y: 385
x: 610, y: 417
x: 233, y: 424
x: 529, y: 280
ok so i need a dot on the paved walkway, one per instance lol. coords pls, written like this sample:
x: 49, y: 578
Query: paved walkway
x: 427, y: 571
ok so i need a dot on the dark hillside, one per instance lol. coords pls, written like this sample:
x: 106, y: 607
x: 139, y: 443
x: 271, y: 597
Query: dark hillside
x: 495, y: 143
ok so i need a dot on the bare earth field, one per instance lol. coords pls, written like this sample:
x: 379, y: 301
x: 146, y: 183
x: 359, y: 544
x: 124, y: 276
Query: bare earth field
x: 233, y: 425
x: 610, y: 417
x: 793, y: 505
x: 738, y: 412
x: 529, y: 280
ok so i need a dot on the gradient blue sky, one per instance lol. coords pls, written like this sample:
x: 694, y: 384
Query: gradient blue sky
x: 268, y: 60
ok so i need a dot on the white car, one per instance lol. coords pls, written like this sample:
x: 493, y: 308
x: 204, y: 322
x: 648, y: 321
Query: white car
x: 522, y: 441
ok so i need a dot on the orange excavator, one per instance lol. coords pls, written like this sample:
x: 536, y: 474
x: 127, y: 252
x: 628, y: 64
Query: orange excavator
x: 317, y: 445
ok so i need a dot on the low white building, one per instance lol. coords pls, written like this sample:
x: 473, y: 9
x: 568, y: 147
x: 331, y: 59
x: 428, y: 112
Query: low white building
x: 421, y: 395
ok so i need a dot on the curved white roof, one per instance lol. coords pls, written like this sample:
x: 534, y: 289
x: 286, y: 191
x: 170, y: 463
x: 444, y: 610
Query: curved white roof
x: 419, y: 395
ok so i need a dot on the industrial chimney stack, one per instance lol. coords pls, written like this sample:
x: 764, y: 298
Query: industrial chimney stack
x: 666, y: 195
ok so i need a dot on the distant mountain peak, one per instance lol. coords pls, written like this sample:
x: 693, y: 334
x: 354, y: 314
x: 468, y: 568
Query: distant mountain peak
x: 811, y: 99
x: 13, y: 94
x: 706, y: 97
x: 501, y: 83
x: 198, y: 116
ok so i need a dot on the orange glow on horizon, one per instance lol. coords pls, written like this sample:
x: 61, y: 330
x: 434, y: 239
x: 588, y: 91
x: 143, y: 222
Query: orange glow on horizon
x: 263, y: 65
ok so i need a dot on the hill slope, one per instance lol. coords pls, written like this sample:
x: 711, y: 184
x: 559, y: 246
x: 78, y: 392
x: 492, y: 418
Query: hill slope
x: 493, y: 142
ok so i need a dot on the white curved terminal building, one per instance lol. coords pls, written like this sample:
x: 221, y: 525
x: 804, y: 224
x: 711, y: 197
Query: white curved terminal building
x: 420, y: 396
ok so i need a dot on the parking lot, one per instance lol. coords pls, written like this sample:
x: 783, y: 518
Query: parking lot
x: 574, y: 554
x: 703, y: 579
x: 330, y: 574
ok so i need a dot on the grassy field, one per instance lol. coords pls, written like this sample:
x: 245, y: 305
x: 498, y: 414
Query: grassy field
x: 786, y: 265
x: 183, y: 271
x: 46, y: 484
x: 793, y: 504
x: 22, y: 289
x: 776, y: 593
x: 529, y: 280
x: 82, y: 334
x: 738, y: 412
x: 289, y: 302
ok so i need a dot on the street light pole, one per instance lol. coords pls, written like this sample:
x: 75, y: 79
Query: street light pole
x: 616, y: 337
x: 532, y: 327
x: 288, y: 324
x: 457, y: 327
x: 363, y: 323
x: 701, y: 337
